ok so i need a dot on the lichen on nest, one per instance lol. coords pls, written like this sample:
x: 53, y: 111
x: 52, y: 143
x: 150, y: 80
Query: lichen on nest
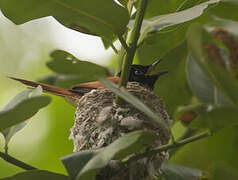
x: 98, y: 121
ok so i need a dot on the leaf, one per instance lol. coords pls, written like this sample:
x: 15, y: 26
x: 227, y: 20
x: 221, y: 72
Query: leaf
x: 118, y: 150
x: 217, y: 118
x: 160, y: 22
x: 65, y: 63
x: 123, y: 2
x: 221, y: 148
x: 11, y: 131
x: 175, y: 63
x: 37, y: 175
x: 226, y: 9
x: 218, y: 75
x: 136, y: 103
x: 178, y: 172
x: 22, y: 107
x: 75, y: 162
x: 157, y: 45
x: 96, y: 17
x: 202, y: 86
x: 196, y: 108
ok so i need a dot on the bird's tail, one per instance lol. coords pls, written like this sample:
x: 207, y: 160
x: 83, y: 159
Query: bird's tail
x: 50, y: 89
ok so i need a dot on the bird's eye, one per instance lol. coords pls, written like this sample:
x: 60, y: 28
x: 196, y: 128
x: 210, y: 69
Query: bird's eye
x: 137, y: 72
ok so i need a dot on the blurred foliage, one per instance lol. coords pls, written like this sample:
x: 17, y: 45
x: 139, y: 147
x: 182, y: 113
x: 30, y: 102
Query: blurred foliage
x: 199, y: 46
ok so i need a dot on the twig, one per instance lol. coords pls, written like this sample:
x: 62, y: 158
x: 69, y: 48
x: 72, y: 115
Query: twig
x: 16, y: 162
x: 132, y: 46
x: 114, y: 48
x: 123, y: 43
x: 188, y: 133
x: 170, y: 146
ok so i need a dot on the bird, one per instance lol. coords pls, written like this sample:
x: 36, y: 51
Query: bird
x: 138, y: 73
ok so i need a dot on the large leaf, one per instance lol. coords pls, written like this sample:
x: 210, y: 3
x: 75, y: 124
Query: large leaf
x: 71, y: 70
x: 63, y: 62
x: 202, y: 86
x: 37, y: 175
x: 206, y: 154
x: 175, y: 63
x: 157, y: 45
x: 217, y: 118
x: 178, y: 172
x: 217, y: 74
x: 158, y: 7
x: 75, y: 162
x: 163, y: 21
x: 97, y: 17
x: 118, y: 150
x: 227, y: 9
x: 22, y: 107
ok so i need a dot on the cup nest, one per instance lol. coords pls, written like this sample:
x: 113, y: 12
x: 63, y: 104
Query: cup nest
x: 98, y: 122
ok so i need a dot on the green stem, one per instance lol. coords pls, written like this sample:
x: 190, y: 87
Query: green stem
x: 114, y: 48
x: 126, y: 67
x: 188, y: 133
x: 16, y: 162
x: 170, y: 146
x: 123, y: 43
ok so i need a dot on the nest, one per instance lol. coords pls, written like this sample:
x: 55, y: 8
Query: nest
x: 98, y: 122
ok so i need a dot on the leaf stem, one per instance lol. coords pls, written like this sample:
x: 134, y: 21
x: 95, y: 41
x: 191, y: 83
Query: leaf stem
x: 114, y: 48
x: 188, y: 133
x: 170, y: 146
x: 16, y: 162
x: 126, y: 67
x: 123, y: 43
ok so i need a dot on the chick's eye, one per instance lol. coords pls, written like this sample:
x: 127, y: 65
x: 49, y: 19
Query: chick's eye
x: 137, y: 72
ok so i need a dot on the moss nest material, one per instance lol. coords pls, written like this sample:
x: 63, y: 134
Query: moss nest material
x: 98, y: 122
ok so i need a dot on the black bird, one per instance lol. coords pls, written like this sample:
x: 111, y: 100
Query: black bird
x: 139, y: 73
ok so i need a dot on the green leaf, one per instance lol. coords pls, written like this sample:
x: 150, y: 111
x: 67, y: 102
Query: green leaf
x: 217, y: 118
x: 75, y: 162
x: 118, y: 150
x: 226, y: 9
x: 65, y: 63
x: 11, y: 131
x: 136, y: 103
x: 175, y: 63
x: 96, y: 17
x: 108, y: 42
x: 190, y: 108
x: 123, y: 2
x: 202, y: 86
x: 221, y: 148
x: 217, y: 74
x: 160, y: 22
x: 157, y: 45
x: 22, y: 107
x: 178, y: 172
x: 37, y: 175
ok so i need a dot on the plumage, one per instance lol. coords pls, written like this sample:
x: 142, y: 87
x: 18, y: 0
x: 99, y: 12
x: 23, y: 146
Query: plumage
x: 138, y: 73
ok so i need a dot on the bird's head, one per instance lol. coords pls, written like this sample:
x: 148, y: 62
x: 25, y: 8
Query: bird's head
x: 142, y: 74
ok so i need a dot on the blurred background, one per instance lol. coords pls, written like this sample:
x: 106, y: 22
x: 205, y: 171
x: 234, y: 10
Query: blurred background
x: 24, y: 50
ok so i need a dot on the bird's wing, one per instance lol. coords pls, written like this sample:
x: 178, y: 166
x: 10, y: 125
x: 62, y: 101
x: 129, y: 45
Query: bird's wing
x: 87, y: 87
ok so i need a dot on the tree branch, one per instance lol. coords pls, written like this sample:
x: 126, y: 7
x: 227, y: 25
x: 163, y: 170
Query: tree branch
x: 126, y: 67
x: 170, y: 146
x: 16, y: 162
